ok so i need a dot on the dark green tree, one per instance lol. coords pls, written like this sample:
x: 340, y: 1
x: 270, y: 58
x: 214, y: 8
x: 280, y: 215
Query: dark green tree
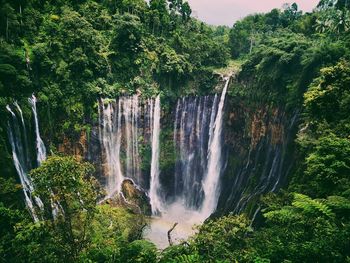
x: 69, y: 194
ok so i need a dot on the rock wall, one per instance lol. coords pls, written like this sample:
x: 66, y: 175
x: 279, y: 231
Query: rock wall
x: 258, y: 150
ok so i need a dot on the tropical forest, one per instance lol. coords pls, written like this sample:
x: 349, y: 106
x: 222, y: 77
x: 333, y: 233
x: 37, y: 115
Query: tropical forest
x: 133, y: 131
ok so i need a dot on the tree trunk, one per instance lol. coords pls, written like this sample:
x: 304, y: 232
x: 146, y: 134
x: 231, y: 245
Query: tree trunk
x: 7, y: 28
x: 251, y: 44
x: 20, y: 12
x: 169, y: 234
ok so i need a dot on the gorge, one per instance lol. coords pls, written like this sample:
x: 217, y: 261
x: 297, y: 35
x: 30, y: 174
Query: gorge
x: 131, y: 131
x: 129, y: 128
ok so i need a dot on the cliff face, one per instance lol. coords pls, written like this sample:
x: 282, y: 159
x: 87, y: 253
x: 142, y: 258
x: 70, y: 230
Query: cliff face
x: 86, y: 147
x: 259, y: 147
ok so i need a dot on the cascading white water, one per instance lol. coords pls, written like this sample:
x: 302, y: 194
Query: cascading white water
x: 40, y: 146
x: 155, y: 187
x: 26, y: 146
x: 131, y: 117
x: 212, y: 178
x: 127, y: 106
x: 110, y: 120
x: 191, y: 141
x: 41, y: 155
x: 197, y: 141
x: 20, y: 160
x: 135, y: 139
x: 119, y: 137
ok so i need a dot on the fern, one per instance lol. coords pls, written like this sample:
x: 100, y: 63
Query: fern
x: 187, y: 259
x: 284, y: 215
x: 310, y: 205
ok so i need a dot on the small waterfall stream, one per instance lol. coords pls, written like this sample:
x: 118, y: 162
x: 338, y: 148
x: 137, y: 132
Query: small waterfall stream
x: 21, y: 153
x: 25, y: 136
x: 20, y: 161
x: 40, y: 146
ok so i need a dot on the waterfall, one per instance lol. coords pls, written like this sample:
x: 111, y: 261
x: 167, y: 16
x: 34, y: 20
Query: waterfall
x: 211, y: 181
x: 119, y: 132
x: 40, y: 146
x: 21, y: 159
x: 155, y: 199
x: 191, y: 141
x: 135, y: 139
x: 41, y: 155
x: 131, y: 116
x: 110, y: 119
x: 197, y: 141
x: 26, y: 146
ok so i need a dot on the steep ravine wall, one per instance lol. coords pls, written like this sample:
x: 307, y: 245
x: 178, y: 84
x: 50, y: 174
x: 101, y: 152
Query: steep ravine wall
x: 258, y: 152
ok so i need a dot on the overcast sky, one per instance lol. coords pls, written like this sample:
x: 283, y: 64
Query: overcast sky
x: 226, y: 12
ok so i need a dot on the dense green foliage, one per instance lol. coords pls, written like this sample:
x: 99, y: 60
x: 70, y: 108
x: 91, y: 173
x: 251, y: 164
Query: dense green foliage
x: 79, y: 229
x: 73, y: 52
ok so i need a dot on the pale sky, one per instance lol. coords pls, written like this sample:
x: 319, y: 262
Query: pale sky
x: 226, y: 12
